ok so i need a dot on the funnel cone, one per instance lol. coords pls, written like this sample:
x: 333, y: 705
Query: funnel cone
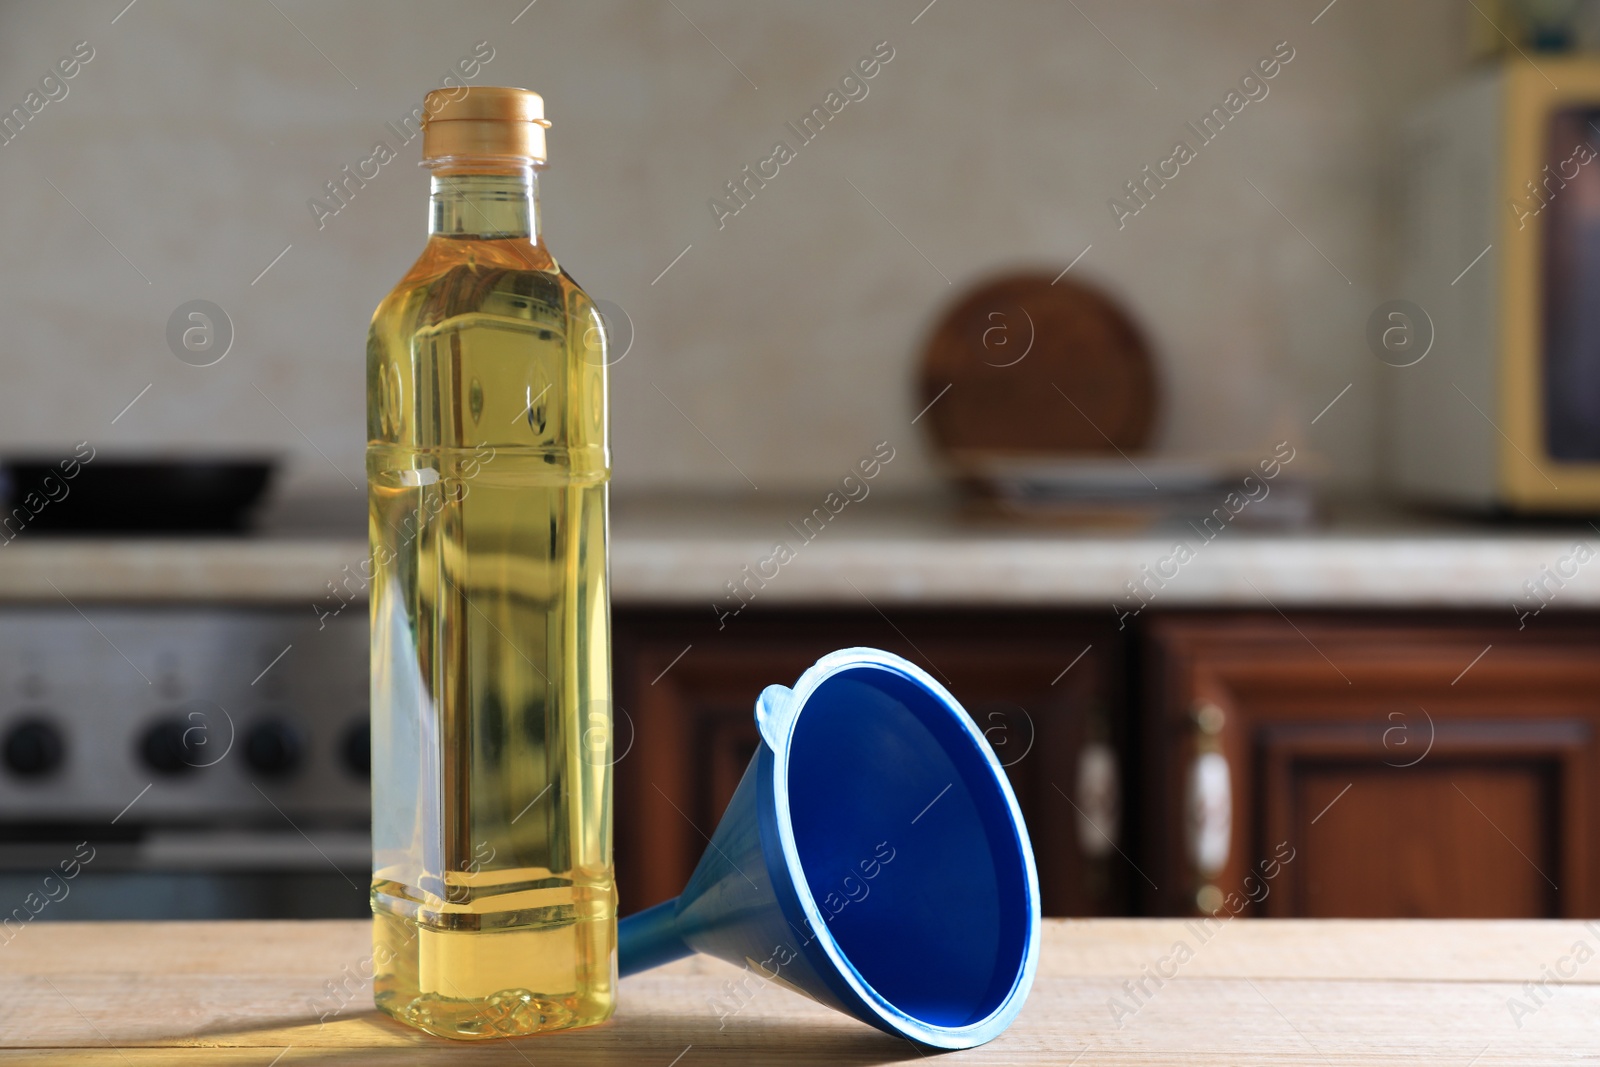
x: 873, y: 858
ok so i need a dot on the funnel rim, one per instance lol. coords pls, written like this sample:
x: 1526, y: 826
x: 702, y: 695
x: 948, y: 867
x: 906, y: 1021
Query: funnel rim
x: 892, y: 1018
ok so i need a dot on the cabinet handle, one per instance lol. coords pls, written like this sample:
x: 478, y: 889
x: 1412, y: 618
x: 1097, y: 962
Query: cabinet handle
x: 1099, y: 803
x: 1208, y: 805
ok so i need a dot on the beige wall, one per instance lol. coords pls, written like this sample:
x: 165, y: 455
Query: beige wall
x: 995, y: 136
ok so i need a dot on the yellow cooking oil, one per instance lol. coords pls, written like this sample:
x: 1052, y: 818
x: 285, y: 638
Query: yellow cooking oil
x: 487, y: 461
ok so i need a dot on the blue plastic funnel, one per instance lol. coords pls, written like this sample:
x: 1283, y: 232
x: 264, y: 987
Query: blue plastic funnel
x: 873, y: 858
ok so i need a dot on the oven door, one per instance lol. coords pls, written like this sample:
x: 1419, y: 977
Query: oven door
x: 59, y: 873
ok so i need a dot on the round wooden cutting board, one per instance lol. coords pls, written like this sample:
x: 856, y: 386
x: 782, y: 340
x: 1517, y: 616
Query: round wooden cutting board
x: 1030, y: 368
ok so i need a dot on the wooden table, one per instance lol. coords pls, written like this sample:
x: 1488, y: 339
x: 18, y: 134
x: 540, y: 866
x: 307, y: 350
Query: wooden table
x: 1252, y: 992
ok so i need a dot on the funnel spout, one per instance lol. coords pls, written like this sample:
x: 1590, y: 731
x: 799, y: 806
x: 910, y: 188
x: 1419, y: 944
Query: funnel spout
x: 649, y: 939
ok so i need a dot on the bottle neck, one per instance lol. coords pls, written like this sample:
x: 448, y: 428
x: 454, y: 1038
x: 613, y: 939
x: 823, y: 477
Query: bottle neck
x: 501, y: 205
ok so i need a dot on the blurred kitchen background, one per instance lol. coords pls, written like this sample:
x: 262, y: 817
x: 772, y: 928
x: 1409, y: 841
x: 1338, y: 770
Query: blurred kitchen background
x: 992, y: 139
x: 1351, y: 662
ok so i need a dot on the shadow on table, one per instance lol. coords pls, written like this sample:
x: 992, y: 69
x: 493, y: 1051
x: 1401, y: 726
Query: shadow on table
x: 370, y: 1037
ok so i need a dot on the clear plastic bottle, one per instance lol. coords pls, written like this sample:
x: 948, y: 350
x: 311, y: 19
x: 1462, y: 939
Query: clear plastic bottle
x: 487, y: 462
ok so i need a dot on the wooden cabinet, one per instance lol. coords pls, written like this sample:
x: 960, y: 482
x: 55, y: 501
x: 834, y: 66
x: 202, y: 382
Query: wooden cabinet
x: 1046, y: 689
x: 1377, y: 766
x: 1349, y: 765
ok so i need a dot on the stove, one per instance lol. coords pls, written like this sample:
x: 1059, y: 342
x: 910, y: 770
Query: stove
x: 182, y: 760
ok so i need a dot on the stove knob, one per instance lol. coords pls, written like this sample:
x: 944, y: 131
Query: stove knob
x: 167, y: 749
x: 33, y: 748
x: 356, y: 751
x: 273, y: 747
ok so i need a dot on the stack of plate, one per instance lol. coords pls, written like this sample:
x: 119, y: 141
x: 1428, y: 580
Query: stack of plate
x: 1143, y: 491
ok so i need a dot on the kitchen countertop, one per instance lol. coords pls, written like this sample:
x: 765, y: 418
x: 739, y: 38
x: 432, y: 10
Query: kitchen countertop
x: 684, y: 552
x: 1254, y: 991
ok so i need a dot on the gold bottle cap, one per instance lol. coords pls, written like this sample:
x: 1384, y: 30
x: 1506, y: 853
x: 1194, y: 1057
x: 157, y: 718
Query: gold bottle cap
x: 483, y: 121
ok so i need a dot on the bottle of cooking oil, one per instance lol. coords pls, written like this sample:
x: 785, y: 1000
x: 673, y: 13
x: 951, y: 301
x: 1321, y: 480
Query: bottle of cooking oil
x: 487, y: 463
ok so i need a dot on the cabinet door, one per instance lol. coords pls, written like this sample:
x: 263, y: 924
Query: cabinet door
x: 1042, y: 687
x: 1333, y: 767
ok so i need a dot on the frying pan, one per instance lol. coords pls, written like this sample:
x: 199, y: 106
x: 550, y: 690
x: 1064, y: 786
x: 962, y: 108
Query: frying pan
x: 66, y: 494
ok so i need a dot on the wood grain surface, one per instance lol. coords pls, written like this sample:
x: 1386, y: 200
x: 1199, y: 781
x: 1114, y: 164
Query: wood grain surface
x: 1244, y: 992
